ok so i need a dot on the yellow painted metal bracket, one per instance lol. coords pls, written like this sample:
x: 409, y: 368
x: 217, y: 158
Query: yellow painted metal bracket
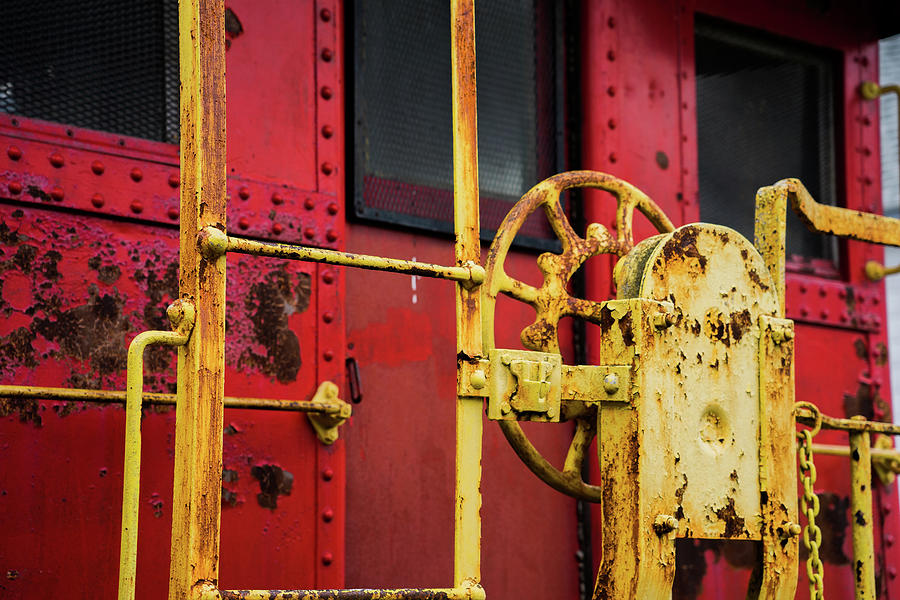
x: 326, y: 424
x: 771, y: 216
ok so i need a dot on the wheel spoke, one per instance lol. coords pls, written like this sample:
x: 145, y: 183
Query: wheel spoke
x: 585, y: 431
x: 519, y: 290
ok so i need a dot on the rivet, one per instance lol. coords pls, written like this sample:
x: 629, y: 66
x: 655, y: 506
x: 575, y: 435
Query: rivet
x: 309, y: 233
x: 803, y: 288
x: 886, y: 508
x: 328, y: 355
x: 57, y: 160
x: 875, y: 300
x: 97, y: 167
x: 612, y: 157
x: 331, y: 236
x: 804, y: 312
x: 611, y: 383
x: 864, y: 61
x: 327, y: 558
x: 325, y: 92
x: 15, y: 187
x: 824, y: 313
x: 277, y: 228
x: 97, y: 200
x: 327, y: 54
x: 332, y: 208
x: 328, y: 277
x: 14, y: 152
x: 611, y: 91
x: 611, y: 22
x: 277, y: 199
x: 136, y: 174
x: 867, y: 151
x: 845, y: 316
x: 684, y: 105
x: 325, y: 14
x: 137, y: 206
x: 174, y: 179
x: 327, y: 474
x: 611, y: 55
x: 866, y: 121
x: 822, y: 291
x: 889, y: 540
x: 328, y: 317
x: 892, y: 572
x: 611, y: 123
x: 876, y: 321
x: 309, y: 203
x: 244, y: 193
x: 478, y: 379
x: 328, y: 515
x: 327, y: 131
x: 842, y: 293
x: 173, y: 213
x: 57, y: 193
x: 327, y: 168
x: 794, y: 529
x: 244, y: 223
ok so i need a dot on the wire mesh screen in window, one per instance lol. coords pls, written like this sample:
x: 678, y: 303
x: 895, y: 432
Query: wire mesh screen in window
x: 764, y: 112
x: 106, y: 65
x: 404, y: 154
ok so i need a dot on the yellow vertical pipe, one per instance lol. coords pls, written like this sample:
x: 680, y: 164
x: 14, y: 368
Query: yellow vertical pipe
x: 132, y: 472
x: 196, y: 504
x: 467, y: 526
x: 861, y: 515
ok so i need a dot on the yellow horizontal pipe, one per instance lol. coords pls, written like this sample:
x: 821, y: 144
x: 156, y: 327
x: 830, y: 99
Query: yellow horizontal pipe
x: 118, y: 397
x: 878, y: 454
x: 212, y: 243
x: 461, y: 593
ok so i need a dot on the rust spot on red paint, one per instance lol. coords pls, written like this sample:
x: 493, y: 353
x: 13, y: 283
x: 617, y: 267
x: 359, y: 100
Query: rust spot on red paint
x: 273, y: 482
x: 269, y: 304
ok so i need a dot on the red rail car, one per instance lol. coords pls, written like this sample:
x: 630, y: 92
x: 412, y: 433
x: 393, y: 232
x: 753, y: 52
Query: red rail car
x: 338, y: 137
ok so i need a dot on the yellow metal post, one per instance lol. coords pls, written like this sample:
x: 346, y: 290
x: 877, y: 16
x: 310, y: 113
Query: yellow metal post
x: 132, y: 471
x: 201, y: 362
x: 467, y: 529
x: 861, y: 515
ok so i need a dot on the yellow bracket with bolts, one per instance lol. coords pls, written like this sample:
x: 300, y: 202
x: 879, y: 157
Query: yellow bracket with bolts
x: 326, y: 424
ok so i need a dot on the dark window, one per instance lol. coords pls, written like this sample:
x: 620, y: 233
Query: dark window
x: 403, y: 144
x: 108, y: 65
x: 765, y: 111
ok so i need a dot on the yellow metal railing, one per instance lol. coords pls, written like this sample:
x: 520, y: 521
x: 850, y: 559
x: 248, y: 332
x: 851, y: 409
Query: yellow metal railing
x: 204, y: 244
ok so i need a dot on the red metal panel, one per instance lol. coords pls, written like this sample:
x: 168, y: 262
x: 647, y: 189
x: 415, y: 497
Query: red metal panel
x: 400, y: 444
x: 77, y: 285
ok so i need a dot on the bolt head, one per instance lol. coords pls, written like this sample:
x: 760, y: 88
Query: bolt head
x: 478, y: 379
x: 611, y: 383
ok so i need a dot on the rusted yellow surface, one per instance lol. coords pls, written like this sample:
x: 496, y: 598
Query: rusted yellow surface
x: 771, y: 214
x: 201, y: 362
x: 862, y: 523
x: 467, y: 517
x: 552, y: 301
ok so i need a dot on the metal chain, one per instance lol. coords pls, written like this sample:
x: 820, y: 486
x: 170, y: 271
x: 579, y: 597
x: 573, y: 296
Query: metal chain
x: 812, y: 535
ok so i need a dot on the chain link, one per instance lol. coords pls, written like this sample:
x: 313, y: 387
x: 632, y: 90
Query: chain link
x: 812, y: 535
